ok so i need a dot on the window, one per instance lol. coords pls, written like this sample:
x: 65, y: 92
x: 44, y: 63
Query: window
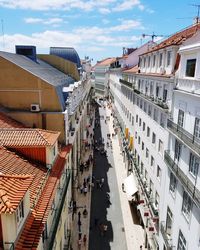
x: 144, y: 61
x: 160, y: 59
x: 158, y: 173
x: 145, y: 175
x: 141, y: 103
x: 143, y: 126
x: 147, y: 153
x: 169, y: 55
x: 136, y: 118
x: 155, y: 115
x: 172, y: 184
x: 132, y: 120
x: 148, y: 131
x: 193, y: 165
x: 138, y: 139
x: 138, y: 102
x: 140, y: 122
x: 149, y: 110
x: 20, y: 212
x: 181, y: 241
x: 180, y: 117
x: 142, y: 168
x: 145, y: 107
x: 160, y: 147
x: 152, y: 161
x: 187, y: 205
x: 157, y: 200
x: 169, y: 222
x: 177, y: 152
x: 142, y: 145
x: 135, y: 134
x: 54, y: 150
x: 190, y: 67
x: 153, y: 138
x: 149, y: 60
x: 154, y: 60
x: 197, y: 128
x: 162, y: 120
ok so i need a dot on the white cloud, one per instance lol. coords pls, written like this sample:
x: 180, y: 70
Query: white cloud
x: 105, y: 21
x: 49, y: 21
x: 86, y: 5
x: 127, y: 5
x: 104, y: 11
x: 127, y: 25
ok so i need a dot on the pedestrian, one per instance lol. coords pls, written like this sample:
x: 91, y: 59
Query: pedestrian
x: 88, y: 179
x: 79, y: 215
x: 84, y: 239
x: 74, y: 207
x: 85, y: 190
x: 79, y: 243
x: 85, y: 213
x: 79, y: 235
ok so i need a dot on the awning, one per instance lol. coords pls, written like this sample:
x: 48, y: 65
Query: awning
x: 130, y: 186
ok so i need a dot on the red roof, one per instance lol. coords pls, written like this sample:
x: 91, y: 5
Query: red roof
x: 131, y: 70
x: 12, y: 137
x: 176, y: 39
x: 7, y: 122
x: 34, y: 226
x: 12, y: 164
x: 12, y: 191
x: 106, y: 62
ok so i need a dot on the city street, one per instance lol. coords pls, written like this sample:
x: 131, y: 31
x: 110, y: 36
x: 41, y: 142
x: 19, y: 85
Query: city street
x: 105, y: 202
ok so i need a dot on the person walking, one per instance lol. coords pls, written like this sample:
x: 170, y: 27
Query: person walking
x: 84, y: 239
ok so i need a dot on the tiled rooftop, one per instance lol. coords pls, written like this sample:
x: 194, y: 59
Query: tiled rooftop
x: 106, y: 62
x: 34, y: 227
x: 7, y: 122
x: 12, y: 164
x: 177, y: 38
x: 12, y: 191
x: 12, y: 137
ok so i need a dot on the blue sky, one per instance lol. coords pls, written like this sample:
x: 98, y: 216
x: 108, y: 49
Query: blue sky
x: 97, y: 29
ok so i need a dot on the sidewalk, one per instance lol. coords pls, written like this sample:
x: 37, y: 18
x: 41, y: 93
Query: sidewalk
x: 83, y: 202
x: 134, y: 233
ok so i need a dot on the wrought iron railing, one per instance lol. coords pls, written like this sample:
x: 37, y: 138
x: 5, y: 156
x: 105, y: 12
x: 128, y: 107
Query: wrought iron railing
x: 128, y: 84
x: 185, y: 181
x: 166, y: 237
x: 58, y: 211
x: 189, y: 139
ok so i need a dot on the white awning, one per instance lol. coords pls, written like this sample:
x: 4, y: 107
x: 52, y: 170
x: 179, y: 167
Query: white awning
x: 130, y: 186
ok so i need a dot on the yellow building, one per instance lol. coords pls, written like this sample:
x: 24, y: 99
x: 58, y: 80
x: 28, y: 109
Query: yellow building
x: 32, y: 90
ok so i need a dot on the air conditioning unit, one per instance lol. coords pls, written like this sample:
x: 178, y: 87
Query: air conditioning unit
x: 35, y: 107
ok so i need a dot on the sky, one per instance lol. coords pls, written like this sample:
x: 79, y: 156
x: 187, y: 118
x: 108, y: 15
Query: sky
x: 95, y: 28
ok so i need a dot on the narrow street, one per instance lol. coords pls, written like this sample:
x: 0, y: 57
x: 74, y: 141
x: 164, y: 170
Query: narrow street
x: 105, y: 201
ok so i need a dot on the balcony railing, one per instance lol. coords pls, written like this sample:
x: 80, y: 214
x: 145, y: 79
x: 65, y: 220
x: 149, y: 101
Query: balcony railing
x: 185, y: 136
x: 58, y: 211
x: 189, y: 85
x: 128, y: 84
x: 157, y: 101
x: 166, y: 237
x: 185, y: 181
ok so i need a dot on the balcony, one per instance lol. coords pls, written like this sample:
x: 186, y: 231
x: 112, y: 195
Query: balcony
x: 154, y: 209
x: 189, y: 85
x: 128, y: 84
x: 189, y: 139
x: 156, y: 100
x: 58, y: 212
x: 166, y: 237
x: 185, y: 181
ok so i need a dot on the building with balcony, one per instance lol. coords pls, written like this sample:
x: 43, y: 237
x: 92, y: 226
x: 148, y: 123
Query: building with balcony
x: 183, y: 155
x: 144, y: 98
x: 35, y: 188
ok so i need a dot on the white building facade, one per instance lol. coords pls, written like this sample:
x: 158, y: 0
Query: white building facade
x: 144, y: 101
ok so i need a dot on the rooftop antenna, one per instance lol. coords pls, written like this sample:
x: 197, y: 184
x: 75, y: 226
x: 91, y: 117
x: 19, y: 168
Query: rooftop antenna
x: 2, y: 29
x: 152, y: 36
x: 198, y: 9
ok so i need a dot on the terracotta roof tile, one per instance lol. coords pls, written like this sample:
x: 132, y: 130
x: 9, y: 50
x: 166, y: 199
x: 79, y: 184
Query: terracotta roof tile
x: 12, y: 164
x: 106, y: 61
x: 8, y: 122
x: 12, y: 191
x: 177, y: 38
x: 34, y: 227
x: 131, y: 70
x: 12, y: 137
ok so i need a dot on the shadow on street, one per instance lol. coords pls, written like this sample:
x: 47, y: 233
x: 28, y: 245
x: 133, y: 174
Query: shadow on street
x: 101, y: 230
